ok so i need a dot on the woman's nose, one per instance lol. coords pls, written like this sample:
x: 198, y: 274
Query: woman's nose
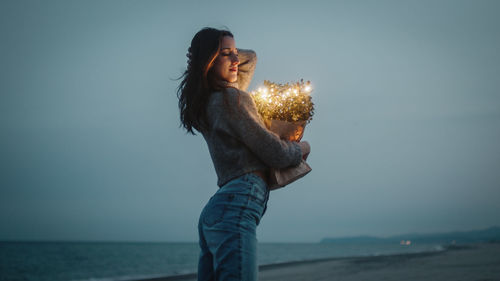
x: 234, y: 59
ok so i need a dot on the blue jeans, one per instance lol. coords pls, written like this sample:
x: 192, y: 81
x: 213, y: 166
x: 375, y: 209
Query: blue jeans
x: 227, y: 230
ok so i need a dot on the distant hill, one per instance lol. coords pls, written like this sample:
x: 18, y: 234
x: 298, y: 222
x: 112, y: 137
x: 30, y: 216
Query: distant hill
x: 491, y: 234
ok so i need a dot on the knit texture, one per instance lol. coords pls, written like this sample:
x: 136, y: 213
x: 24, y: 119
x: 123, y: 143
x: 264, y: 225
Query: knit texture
x: 237, y: 138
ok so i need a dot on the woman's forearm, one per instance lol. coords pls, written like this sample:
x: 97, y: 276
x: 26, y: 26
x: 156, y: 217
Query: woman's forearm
x: 246, y: 68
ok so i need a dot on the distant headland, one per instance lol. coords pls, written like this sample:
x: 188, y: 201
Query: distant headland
x: 488, y: 235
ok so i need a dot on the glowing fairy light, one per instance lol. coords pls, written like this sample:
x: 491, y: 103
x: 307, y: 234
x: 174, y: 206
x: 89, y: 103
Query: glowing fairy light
x: 276, y: 101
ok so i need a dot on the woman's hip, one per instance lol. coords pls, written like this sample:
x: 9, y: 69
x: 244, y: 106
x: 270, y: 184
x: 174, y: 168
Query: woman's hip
x: 240, y: 202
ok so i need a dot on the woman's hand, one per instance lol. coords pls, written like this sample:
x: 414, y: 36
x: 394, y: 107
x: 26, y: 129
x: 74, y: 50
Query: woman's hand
x: 306, y: 149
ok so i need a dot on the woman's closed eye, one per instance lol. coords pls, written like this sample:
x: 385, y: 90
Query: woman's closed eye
x: 228, y: 54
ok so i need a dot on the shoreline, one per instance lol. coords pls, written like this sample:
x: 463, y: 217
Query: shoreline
x: 280, y: 271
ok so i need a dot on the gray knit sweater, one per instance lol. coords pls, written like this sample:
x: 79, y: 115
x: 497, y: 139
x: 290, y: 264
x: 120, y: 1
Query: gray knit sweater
x: 237, y: 137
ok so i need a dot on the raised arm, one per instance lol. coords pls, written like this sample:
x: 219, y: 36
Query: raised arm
x: 246, y: 68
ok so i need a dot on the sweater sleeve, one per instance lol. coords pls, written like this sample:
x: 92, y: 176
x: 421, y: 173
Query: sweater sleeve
x: 246, y: 68
x: 247, y: 126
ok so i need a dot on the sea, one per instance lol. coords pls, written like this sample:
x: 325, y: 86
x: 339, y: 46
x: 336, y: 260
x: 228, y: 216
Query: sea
x: 105, y: 261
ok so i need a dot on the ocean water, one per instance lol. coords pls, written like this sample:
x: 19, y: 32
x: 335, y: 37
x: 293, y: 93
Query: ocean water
x: 100, y: 261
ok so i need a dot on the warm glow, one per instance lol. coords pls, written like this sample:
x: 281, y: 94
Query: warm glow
x: 275, y: 101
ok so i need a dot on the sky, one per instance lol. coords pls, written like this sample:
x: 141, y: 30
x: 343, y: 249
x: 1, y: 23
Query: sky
x: 405, y: 136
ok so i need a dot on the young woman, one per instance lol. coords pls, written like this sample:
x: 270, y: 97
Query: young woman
x: 213, y: 101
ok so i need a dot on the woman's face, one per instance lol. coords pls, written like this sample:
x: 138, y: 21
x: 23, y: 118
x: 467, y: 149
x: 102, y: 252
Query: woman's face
x: 225, y: 66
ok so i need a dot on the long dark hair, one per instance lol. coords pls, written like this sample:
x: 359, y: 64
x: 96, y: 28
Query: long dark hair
x: 198, y: 81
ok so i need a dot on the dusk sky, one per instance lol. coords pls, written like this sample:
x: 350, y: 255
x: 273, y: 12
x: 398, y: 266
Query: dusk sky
x: 405, y: 136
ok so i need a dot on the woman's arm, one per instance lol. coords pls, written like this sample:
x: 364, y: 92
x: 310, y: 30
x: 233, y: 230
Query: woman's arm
x: 245, y: 123
x: 246, y: 68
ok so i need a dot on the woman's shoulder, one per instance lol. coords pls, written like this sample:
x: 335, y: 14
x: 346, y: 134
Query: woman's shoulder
x: 232, y: 96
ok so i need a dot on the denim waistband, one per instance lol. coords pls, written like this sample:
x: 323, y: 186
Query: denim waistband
x: 251, y: 177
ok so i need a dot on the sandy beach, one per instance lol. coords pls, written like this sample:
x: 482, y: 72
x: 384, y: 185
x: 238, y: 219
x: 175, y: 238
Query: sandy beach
x: 476, y: 262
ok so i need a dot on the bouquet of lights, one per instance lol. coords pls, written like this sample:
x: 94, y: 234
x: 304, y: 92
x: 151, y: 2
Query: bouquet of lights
x: 285, y: 109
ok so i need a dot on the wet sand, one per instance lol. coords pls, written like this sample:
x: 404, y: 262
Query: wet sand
x: 476, y: 262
